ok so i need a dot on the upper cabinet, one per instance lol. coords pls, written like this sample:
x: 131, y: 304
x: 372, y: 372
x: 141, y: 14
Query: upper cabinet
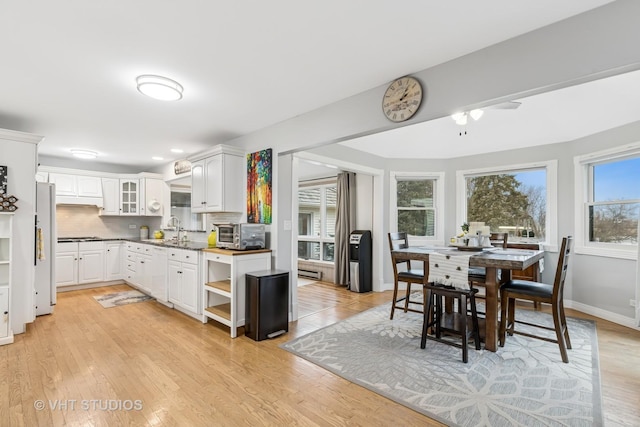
x: 77, y: 189
x: 144, y: 196
x: 217, y: 181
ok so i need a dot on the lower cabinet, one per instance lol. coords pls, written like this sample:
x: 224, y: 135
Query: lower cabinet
x: 183, y: 280
x: 159, y: 274
x: 113, y: 265
x: 4, y: 311
x: 79, y: 263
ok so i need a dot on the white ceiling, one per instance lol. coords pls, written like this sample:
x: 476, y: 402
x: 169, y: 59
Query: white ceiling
x: 68, y: 68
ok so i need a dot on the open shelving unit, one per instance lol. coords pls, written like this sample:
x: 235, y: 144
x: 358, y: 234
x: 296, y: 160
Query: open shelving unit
x: 224, y: 287
x: 6, y: 335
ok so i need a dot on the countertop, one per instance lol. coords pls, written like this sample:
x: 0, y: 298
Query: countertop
x: 194, y: 246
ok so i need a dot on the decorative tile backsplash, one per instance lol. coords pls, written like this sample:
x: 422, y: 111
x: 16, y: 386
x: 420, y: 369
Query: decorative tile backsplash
x: 79, y: 221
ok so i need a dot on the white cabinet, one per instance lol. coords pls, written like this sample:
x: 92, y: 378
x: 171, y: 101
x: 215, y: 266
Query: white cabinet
x: 129, y: 197
x: 182, y: 277
x: 224, y: 288
x: 77, y: 189
x: 113, y: 265
x: 217, y: 183
x: 79, y: 263
x: 111, y: 196
x: 6, y: 219
x: 159, y: 274
x: 151, y: 196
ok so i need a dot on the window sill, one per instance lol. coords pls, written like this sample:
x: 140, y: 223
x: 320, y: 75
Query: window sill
x: 630, y: 254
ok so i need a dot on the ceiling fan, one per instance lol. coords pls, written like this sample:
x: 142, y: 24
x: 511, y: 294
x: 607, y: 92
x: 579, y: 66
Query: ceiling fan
x: 463, y: 117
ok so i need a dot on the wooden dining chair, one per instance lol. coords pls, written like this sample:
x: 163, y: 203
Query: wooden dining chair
x: 539, y: 292
x: 478, y: 275
x: 407, y: 275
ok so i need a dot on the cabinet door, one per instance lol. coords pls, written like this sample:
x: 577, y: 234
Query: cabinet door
x: 66, y: 268
x: 190, y: 287
x: 159, y: 274
x: 175, y: 283
x: 129, y: 201
x: 113, y: 261
x: 153, y: 200
x: 214, y: 183
x: 111, y: 196
x: 66, y: 185
x: 4, y: 311
x: 89, y: 186
x: 144, y: 272
x: 91, y: 267
x: 198, y: 181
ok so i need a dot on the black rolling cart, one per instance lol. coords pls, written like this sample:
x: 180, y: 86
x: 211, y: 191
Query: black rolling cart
x: 266, y: 304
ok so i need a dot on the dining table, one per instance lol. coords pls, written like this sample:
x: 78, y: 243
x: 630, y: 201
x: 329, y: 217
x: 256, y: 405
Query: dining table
x: 493, y: 259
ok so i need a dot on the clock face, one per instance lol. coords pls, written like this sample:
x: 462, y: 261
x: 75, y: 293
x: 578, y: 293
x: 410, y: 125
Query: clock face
x: 402, y: 99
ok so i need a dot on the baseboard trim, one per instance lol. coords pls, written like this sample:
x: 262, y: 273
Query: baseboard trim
x: 629, y: 322
x: 89, y: 286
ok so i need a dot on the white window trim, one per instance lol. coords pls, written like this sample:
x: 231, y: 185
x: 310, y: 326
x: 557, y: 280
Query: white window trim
x: 551, y: 166
x: 438, y: 239
x: 581, y: 182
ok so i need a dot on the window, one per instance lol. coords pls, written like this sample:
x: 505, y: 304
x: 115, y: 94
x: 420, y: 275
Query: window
x: 513, y: 199
x: 417, y: 201
x: 317, y: 221
x: 609, y: 200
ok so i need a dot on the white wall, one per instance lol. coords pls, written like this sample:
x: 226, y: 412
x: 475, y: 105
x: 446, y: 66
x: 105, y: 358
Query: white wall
x: 18, y: 152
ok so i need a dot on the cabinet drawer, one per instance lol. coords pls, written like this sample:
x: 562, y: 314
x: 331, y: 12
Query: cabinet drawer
x: 91, y: 246
x: 219, y: 258
x: 182, y: 255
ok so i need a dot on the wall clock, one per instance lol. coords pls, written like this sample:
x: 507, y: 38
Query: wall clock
x: 402, y: 99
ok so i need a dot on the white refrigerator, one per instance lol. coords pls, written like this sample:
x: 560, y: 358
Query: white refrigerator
x: 45, y: 248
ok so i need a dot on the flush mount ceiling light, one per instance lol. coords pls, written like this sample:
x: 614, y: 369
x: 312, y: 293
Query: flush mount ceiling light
x: 177, y: 150
x: 462, y: 118
x: 157, y: 158
x: 159, y: 87
x: 84, y: 154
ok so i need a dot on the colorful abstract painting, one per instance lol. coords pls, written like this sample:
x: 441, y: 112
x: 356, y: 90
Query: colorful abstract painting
x: 259, y: 187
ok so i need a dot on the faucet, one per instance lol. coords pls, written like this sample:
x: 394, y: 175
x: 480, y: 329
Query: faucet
x: 174, y: 222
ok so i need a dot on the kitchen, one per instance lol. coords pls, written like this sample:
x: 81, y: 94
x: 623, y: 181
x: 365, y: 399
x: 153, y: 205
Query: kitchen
x: 477, y: 82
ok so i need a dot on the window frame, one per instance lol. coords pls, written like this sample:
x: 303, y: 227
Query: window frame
x: 438, y: 202
x: 551, y: 167
x: 323, y: 237
x: 583, y: 182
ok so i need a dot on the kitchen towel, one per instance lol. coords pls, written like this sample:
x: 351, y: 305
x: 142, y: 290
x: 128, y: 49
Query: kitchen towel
x: 449, y: 269
x: 40, y: 252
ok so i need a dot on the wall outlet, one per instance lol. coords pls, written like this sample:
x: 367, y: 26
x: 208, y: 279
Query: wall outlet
x: 132, y: 226
x: 632, y: 302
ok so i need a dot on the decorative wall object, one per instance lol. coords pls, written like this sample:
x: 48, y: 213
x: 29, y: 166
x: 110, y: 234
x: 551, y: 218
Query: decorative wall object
x: 181, y: 166
x: 3, y: 180
x: 259, y: 187
x: 8, y: 203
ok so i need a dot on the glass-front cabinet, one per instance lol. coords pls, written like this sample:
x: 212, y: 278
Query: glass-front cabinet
x: 129, y: 197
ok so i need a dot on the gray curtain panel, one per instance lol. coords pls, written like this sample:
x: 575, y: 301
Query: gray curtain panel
x: 345, y: 224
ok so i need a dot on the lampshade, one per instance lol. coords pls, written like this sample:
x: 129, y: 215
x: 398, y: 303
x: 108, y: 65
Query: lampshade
x: 159, y: 87
x: 460, y: 118
x: 84, y: 154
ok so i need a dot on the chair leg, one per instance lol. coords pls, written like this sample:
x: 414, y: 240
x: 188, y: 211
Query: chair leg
x: 395, y: 298
x: 504, y: 303
x: 557, y: 323
x: 474, y: 322
x: 511, y: 318
x: 406, y: 300
x: 464, y: 331
x: 428, y: 317
x: 564, y: 325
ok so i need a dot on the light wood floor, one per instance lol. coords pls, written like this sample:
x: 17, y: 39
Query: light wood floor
x: 189, y: 374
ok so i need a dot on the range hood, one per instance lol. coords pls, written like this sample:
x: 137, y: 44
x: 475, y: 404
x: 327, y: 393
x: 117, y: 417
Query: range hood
x: 82, y: 201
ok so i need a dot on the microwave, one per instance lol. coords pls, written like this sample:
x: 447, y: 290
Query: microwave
x: 240, y: 236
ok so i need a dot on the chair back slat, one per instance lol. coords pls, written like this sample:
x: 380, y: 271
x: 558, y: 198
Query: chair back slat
x: 561, y: 271
x: 499, y: 239
x: 398, y: 241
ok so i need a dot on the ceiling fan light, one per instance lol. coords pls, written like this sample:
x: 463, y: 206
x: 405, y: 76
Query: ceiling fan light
x: 462, y: 120
x: 84, y: 154
x: 159, y: 87
x: 457, y: 116
x: 476, y: 114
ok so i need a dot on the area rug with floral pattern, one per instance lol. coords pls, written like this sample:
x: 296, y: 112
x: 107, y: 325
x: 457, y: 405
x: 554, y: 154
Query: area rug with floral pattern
x: 524, y: 383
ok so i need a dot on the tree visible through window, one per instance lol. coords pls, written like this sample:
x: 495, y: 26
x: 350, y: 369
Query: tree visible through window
x: 513, y: 202
x: 614, y: 203
x: 416, y: 208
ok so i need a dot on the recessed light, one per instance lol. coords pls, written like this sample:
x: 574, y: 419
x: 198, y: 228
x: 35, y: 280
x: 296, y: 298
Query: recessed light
x: 157, y: 158
x: 177, y: 150
x: 159, y: 87
x: 84, y: 154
